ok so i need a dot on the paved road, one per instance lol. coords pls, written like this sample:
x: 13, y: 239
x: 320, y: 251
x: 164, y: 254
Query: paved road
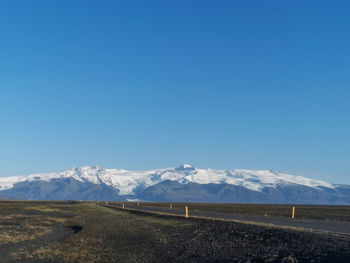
x: 313, y: 225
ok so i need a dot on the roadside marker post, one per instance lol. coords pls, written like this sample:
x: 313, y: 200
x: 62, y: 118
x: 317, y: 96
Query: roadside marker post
x: 186, y: 208
x: 123, y: 206
x: 106, y: 203
x: 293, y: 212
x: 171, y: 206
x: 138, y: 203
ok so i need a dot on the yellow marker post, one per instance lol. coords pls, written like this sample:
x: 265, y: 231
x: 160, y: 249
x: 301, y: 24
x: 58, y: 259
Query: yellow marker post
x: 293, y: 212
x: 186, y: 208
x: 106, y: 203
x: 171, y: 206
x: 123, y: 206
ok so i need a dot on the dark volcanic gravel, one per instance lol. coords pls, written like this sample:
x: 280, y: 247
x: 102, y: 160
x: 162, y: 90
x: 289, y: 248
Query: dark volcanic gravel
x: 215, y: 241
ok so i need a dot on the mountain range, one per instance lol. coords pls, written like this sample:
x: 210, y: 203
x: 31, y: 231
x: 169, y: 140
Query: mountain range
x: 181, y: 184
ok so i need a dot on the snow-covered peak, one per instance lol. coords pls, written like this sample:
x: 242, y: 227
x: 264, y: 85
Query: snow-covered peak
x: 82, y: 174
x: 88, y: 168
x: 185, y: 166
x: 258, y: 179
x: 126, y: 181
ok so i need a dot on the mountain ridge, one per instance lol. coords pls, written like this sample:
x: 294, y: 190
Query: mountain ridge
x: 89, y: 182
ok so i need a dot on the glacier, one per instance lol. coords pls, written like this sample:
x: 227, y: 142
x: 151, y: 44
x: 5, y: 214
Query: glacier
x: 126, y: 181
x: 180, y: 184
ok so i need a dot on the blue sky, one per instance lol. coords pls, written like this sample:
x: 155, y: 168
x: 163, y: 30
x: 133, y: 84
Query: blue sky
x: 150, y: 84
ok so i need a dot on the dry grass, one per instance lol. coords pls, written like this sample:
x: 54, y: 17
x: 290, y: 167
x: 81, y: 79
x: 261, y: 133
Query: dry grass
x: 17, y: 228
x: 23, y: 234
x: 43, y: 208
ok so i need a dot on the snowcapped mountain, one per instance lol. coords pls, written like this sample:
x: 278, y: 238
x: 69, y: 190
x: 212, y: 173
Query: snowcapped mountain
x: 184, y: 183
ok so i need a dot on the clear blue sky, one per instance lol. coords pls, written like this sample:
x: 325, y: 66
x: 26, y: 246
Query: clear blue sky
x: 150, y: 84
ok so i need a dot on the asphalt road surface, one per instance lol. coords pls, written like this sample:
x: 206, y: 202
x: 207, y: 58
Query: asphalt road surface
x: 311, y: 225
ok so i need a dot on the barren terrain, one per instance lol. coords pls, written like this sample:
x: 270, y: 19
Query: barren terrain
x: 87, y: 232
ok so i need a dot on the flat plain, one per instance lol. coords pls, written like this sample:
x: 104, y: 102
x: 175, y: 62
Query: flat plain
x: 88, y: 232
x: 323, y: 212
